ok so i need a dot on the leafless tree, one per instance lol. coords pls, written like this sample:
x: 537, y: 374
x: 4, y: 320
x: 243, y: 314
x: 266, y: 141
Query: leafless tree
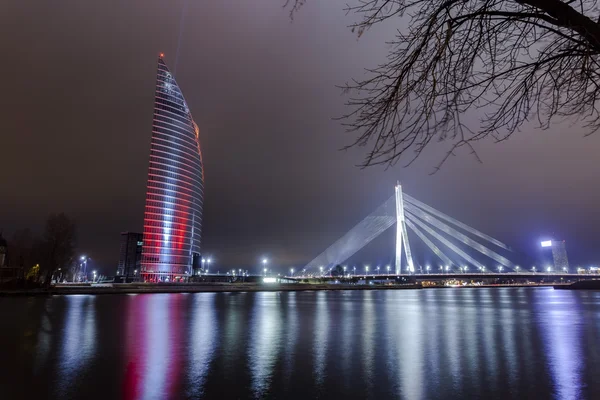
x: 510, y: 60
x: 59, y: 245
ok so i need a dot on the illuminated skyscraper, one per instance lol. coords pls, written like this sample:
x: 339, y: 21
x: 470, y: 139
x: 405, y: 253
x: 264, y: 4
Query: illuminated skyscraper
x: 173, y: 213
x: 559, y: 254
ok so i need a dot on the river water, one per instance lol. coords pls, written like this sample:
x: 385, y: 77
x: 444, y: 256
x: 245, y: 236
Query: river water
x: 495, y: 343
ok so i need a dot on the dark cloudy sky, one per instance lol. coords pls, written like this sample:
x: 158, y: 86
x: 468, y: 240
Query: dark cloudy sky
x: 76, y: 117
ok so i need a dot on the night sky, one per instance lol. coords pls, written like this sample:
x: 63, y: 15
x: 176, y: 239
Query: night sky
x: 78, y: 82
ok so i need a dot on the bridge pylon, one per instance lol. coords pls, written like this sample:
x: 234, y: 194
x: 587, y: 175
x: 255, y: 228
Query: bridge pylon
x: 401, y: 236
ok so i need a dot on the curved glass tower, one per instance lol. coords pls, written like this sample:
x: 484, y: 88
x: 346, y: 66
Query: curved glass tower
x: 173, y: 213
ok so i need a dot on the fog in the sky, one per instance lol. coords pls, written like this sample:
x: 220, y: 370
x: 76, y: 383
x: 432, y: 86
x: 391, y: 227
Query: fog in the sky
x: 76, y: 117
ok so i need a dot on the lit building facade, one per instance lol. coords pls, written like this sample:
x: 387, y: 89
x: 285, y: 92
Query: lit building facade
x: 130, y: 257
x: 559, y: 254
x: 174, y: 198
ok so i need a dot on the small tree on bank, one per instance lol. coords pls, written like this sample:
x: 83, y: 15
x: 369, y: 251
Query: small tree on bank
x: 516, y: 59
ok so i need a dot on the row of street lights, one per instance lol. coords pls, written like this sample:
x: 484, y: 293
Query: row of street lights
x: 447, y: 269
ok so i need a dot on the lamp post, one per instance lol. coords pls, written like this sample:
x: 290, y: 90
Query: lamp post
x: 388, y: 269
x: 94, y: 280
x: 264, y: 261
x: 344, y: 270
x: 83, y: 271
x: 378, y: 270
x: 354, y: 270
x: 208, y: 265
x: 366, y: 269
x: 292, y: 269
x: 321, y: 269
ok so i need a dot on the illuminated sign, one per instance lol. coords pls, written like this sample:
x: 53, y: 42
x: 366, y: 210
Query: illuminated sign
x: 547, y: 243
x: 270, y: 280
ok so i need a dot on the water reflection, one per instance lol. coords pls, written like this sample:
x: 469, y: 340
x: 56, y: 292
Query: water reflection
x: 426, y: 344
x: 78, y: 341
x: 368, y: 336
x: 321, y: 336
x: 154, y: 337
x: 266, y: 340
x: 203, y: 341
x: 562, y: 338
x: 291, y: 337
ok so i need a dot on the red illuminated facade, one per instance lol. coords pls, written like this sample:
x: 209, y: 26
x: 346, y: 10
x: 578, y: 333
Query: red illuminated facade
x: 174, y: 198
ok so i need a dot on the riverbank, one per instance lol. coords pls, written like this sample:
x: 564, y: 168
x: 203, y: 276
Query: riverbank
x: 192, y: 288
x: 144, y: 288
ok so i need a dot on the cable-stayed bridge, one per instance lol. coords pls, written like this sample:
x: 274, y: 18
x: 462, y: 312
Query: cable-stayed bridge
x: 452, y: 241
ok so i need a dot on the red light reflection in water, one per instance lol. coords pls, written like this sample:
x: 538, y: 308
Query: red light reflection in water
x: 153, y: 346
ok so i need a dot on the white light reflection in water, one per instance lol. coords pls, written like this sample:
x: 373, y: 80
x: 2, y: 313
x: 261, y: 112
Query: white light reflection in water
x: 508, y: 309
x: 433, y: 336
x: 291, y: 337
x: 321, y: 336
x: 469, y: 337
x: 368, y: 338
x: 349, y: 323
x: 452, y: 336
x: 157, y: 345
x: 266, y: 340
x: 489, y: 321
x: 411, y: 337
x: 203, y: 340
x: 79, y: 338
x: 561, y: 324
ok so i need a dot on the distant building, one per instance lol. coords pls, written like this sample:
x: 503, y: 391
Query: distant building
x: 559, y: 254
x: 130, y: 257
x: 3, y: 250
x: 175, y: 191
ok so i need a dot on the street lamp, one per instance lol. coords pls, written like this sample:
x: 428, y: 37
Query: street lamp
x: 292, y: 269
x: 378, y: 270
x: 517, y: 269
x: 500, y: 268
x: 321, y: 268
x: 533, y: 269
x: 94, y: 272
x: 447, y: 268
x: 264, y: 261
x: 344, y: 270
x: 354, y: 269
x: 388, y: 269
x: 428, y: 268
x: 208, y: 267
x: 366, y: 269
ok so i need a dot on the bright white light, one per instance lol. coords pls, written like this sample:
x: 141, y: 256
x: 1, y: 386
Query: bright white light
x: 270, y: 280
x: 264, y: 260
x: 203, y: 260
x: 208, y: 261
x: 547, y: 243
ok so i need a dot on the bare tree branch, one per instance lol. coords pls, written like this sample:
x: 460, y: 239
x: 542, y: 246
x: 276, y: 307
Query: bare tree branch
x: 510, y: 61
